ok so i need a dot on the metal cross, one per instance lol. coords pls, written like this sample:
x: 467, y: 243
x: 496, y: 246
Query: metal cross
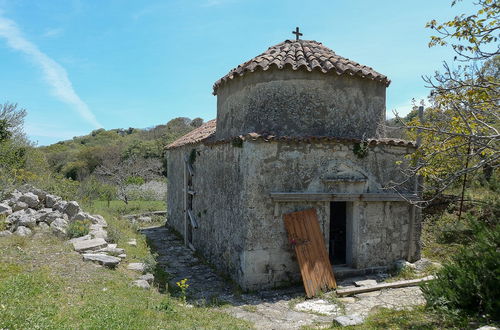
x: 297, y: 33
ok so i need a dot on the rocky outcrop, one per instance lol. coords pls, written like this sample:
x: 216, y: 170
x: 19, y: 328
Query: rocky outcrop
x: 33, y: 209
x: 29, y: 209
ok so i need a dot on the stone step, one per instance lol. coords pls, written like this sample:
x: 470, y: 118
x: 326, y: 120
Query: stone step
x: 89, y: 245
x: 102, y: 259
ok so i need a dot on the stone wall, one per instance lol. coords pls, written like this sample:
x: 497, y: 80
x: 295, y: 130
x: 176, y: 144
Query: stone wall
x: 217, y: 204
x: 379, y: 229
x: 300, y: 103
x: 241, y: 230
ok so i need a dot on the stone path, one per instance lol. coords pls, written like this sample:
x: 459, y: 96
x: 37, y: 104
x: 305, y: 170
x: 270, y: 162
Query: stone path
x: 268, y: 309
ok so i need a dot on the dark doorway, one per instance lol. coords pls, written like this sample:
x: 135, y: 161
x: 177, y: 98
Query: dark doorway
x: 338, y: 232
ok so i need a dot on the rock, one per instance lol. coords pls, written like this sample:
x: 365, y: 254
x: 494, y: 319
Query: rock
x: 80, y: 239
x: 14, y: 219
x: 400, y: 264
x: 13, y: 197
x: 59, y: 227
x: 51, y: 216
x: 102, y: 259
x: 80, y: 216
x: 5, y: 209
x: 39, y: 193
x: 30, y: 199
x: 19, y: 206
x: 27, y: 221
x: 132, y: 242
x: 317, y: 306
x: 148, y: 278
x: 72, y: 208
x: 123, y: 256
x: 89, y: 245
x: 114, y: 251
x: 487, y: 327
x: 60, y: 206
x: 347, y: 320
x: 136, y: 266
x: 51, y: 200
x: 368, y: 294
x: 98, y: 220
x: 41, y: 214
x: 5, y: 233
x: 23, y: 231
x: 97, y: 231
x: 43, y: 225
x: 144, y: 219
x: 141, y: 284
x: 347, y: 300
x: 365, y: 283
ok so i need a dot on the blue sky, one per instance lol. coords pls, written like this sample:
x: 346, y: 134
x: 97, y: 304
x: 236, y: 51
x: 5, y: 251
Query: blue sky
x: 76, y: 65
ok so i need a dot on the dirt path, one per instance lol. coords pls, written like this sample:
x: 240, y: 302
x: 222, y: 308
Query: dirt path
x: 268, y: 309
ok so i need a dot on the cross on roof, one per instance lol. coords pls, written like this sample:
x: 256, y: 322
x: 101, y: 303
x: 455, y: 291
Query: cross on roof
x: 297, y: 33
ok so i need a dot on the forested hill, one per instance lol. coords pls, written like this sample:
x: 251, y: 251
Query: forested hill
x: 80, y: 157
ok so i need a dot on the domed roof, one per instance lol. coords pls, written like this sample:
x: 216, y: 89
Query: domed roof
x: 303, y: 54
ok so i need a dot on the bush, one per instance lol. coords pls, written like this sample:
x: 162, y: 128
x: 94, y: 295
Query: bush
x: 468, y: 284
x: 79, y: 228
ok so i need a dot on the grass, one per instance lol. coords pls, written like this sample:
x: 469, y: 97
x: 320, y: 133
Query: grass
x: 118, y: 207
x: 416, y: 318
x: 44, y: 284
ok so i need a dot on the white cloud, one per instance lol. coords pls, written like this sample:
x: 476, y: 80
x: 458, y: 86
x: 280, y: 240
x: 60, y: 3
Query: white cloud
x: 55, y: 75
x: 51, y: 33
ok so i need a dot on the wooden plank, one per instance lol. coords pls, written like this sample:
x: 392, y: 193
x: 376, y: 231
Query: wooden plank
x: 192, y: 218
x: 398, y: 284
x: 305, y: 235
x: 342, y: 197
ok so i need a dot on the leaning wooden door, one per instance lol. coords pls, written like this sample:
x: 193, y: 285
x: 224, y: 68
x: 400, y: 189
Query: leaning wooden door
x: 305, y: 236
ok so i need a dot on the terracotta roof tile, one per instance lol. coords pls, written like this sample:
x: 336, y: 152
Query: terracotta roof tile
x: 199, y: 134
x: 308, y: 54
x: 206, y: 132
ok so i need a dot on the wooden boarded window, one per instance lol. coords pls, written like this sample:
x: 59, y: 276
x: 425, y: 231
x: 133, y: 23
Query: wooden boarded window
x: 305, y: 236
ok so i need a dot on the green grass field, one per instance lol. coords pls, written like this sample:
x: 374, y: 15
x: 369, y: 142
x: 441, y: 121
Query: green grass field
x: 118, y: 207
x: 44, y: 284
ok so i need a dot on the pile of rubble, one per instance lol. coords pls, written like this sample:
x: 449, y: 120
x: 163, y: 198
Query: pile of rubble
x: 33, y: 209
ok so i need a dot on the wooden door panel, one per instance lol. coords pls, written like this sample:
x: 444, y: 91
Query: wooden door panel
x: 305, y: 236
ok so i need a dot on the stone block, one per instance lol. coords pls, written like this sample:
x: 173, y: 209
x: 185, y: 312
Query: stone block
x: 23, y: 231
x: 365, y: 283
x: 59, y: 227
x: 141, y: 284
x: 102, y: 259
x: 5, y: 209
x: 51, y: 200
x: 136, y: 266
x: 89, y: 245
x: 349, y: 320
x: 72, y: 208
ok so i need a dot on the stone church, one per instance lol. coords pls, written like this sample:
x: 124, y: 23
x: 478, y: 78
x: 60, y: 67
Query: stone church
x: 297, y: 127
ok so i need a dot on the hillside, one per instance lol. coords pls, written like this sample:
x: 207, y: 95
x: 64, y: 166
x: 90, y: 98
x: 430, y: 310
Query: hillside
x: 78, y: 158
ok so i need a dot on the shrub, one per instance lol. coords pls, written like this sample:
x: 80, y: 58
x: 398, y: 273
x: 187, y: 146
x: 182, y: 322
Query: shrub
x: 3, y: 224
x: 114, y: 234
x: 468, y: 284
x: 79, y: 228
